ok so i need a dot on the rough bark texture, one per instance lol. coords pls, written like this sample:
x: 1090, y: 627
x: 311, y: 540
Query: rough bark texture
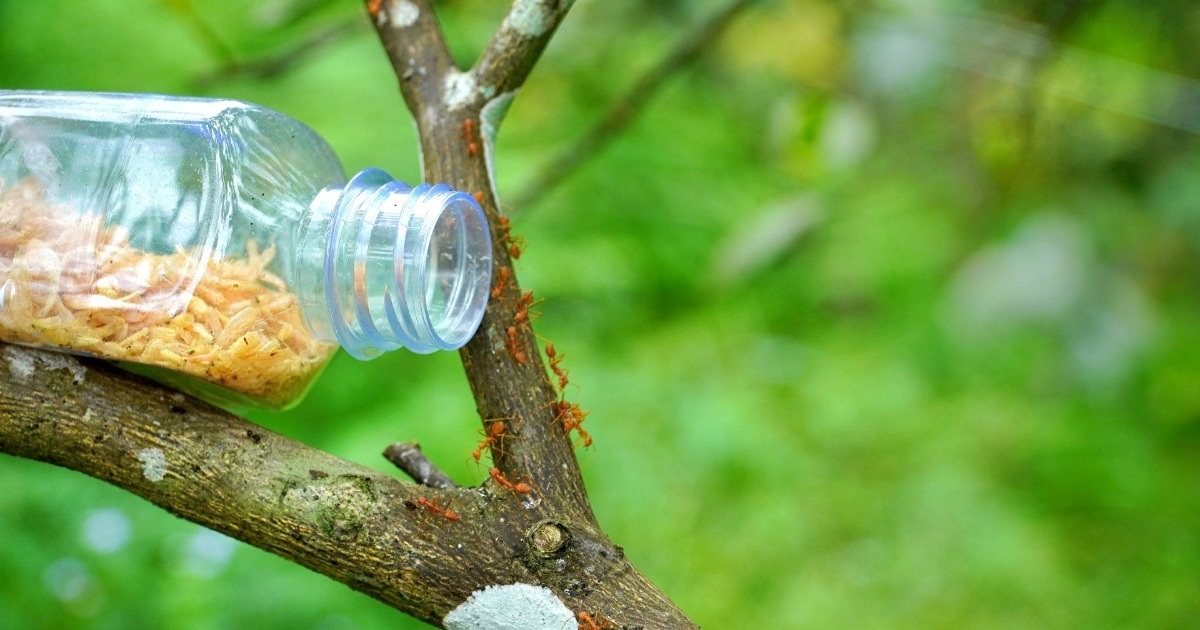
x: 423, y: 549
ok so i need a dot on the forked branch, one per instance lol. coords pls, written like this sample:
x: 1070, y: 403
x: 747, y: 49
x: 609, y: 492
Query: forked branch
x: 424, y: 549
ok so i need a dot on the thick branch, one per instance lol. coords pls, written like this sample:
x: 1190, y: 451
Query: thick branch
x: 505, y: 370
x: 205, y: 465
x: 366, y: 529
x: 413, y: 40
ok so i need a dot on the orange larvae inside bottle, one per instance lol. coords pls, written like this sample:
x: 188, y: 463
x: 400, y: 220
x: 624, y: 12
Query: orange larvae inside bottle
x: 68, y: 281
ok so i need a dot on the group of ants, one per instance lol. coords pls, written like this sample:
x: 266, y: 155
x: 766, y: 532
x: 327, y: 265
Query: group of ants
x: 569, y: 414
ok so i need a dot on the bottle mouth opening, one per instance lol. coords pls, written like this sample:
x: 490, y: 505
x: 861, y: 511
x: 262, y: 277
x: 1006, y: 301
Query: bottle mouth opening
x: 456, y: 274
x: 406, y: 267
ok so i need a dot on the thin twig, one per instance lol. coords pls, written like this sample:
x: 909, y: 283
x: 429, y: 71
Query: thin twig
x: 209, y: 37
x: 296, y: 12
x: 407, y: 456
x: 625, y: 109
x: 274, y: 65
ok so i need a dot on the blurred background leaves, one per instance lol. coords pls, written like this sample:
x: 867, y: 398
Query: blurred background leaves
x: 885, y: 312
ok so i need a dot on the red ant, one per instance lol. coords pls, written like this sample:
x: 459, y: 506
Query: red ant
x: 523, y: 305
x: 503, y: 275
x: 478, y: 195
x: 432, y: 506
x: 555, y: 361
x: 491, y: 439
x: 520, y: 320
x: 598, y: 622
x: 571, y: 415
x: 520, y: 487
x: 516, y: 244
x: 518, y: 355
x: 373, y: 7
x: 469, y: 137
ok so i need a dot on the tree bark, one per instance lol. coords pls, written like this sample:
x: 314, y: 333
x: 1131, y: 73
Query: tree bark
x: 423, y: 549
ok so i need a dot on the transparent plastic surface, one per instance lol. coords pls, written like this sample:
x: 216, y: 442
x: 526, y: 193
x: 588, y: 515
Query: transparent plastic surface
x: 217, y: 245
x: 403, y: 267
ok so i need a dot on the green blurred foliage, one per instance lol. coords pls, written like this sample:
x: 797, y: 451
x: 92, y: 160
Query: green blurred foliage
x: 886, y: 313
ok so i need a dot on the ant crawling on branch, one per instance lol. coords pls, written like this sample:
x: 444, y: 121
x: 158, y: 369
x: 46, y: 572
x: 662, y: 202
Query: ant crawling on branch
x: 518, y: 355
x: 587, y: 621
x: 571, y: 415
x: 520, y: 321
x: 525, y: 303
x: 432, y: 506
x: 519, y: 487
x: 503, y: 277
x: 556, y: 366
x: 470, y: 138
x: 514, y: 244
x: 491, y: 440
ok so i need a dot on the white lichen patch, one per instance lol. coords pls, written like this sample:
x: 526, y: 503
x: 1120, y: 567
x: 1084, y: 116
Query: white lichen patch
x: 527, y: 17
x: 403, y: 13
x: 62, y: 362
x: 22, y: 363
x: 154, y: 463
x: 460, y: 89
x: 511, y: 607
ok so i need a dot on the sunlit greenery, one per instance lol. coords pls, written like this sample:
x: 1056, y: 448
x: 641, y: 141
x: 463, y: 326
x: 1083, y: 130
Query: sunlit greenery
x: 886, y: 313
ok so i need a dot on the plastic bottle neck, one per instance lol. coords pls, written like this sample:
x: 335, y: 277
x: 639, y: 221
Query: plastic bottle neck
x: 383, y: 265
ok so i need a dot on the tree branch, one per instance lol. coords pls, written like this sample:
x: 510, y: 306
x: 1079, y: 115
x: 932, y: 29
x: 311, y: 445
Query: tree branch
x: 518, y: 43
x: 505, y: 370
x: 407, y: 456
x: 200, y: 463
x: 365, y: 529
x: 424, y: 550
x: 626, y: 108
x: 417, y: 49
x: 457, y: 114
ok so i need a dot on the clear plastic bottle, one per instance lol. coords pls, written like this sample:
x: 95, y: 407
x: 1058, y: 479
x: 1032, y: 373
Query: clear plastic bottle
x: 217, y: 245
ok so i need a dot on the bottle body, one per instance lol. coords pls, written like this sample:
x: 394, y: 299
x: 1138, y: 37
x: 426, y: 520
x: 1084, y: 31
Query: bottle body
x: 181, y: 235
